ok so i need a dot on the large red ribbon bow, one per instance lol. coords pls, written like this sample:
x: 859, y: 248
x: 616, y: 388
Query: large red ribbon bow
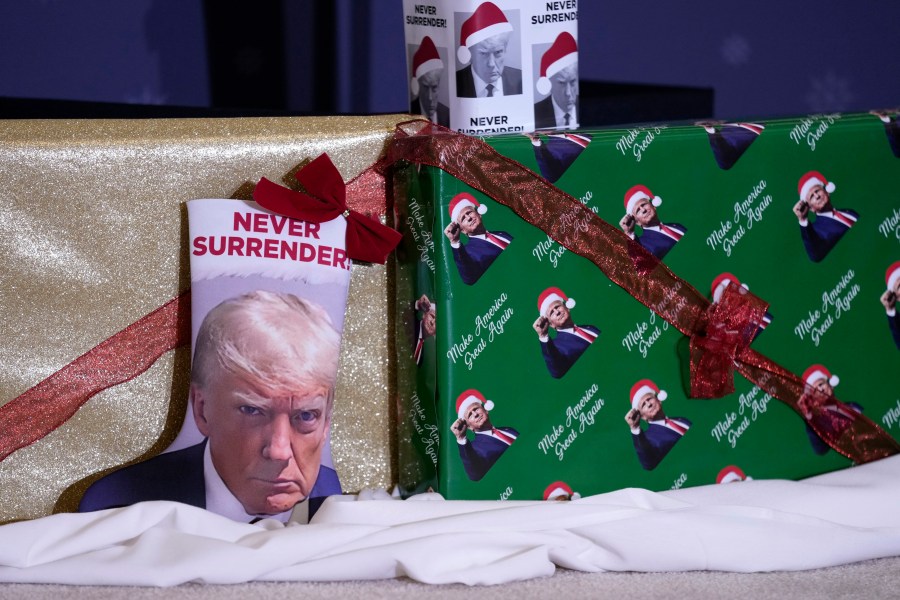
x: 367, y: 239
x: 731, y: 324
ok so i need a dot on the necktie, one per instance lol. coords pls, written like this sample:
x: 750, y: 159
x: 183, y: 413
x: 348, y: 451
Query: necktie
x: 490, y: 90
x: 843, y: 218
x: 670, y: 232
x: 566, y: 117
x: 676, y: 427
x: 496, y: 241
x: 502, y: 436
x: 584, y: 334
x: 417, y: 354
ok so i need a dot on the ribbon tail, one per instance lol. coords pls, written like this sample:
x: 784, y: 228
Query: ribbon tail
x: 712, y: 374
x: 295, y: 205
x: 862, y: 440
x: 368, y: 240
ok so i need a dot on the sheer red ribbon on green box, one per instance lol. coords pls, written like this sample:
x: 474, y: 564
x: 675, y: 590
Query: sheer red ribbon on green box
x: 720, y: 333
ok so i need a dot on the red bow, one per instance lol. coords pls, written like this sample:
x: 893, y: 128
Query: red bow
x: 731, y: 325
x: 367, y: 239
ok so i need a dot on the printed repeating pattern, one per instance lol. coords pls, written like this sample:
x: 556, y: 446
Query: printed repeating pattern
x: 801, y: 211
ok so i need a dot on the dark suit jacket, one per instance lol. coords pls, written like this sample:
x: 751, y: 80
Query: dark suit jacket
x: 892, y: 131
x: 479, y: 455
x: 652, y: 444
x: 658, y: 244
x: 443, y: 112
x: 821, y: 235
x: 544, y: 117
x: 177, y: 476
x: 561, y: 352
x: 555, y: 154
x: 465, y: 84
x: 729, y: 143
x: 473, y: 258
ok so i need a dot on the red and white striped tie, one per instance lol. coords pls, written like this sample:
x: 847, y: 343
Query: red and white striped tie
x: 584, y: 334
x: 843, y: 218
x: 502, y: 244
x: 418, y: 351
x: 503, y: 437
x: 675, y: 235
x: 675, y: 426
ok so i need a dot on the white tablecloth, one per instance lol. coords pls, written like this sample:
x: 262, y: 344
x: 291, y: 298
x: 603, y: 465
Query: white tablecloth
x: 833, y: 519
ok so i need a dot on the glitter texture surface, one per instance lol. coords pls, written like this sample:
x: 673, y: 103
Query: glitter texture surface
x: 94, y: 236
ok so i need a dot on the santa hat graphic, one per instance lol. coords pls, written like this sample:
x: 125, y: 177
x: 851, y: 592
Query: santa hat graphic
x: 638, y: 193
x: 561, y: 54
x: 811, y: 180
x: 551, y: 295
x: 464, y: 200
x: 723, y: 280
x: 642, y: 388
x: 730, y: 474
x: 892, y: 275
x: 467, y: 399
x: 487, y: 21
x: 560, y: 488
x: 817, y: 372
x: 424, y: 60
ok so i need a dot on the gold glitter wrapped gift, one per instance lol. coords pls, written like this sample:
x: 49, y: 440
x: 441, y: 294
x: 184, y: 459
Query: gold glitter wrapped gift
x: 93, y: 237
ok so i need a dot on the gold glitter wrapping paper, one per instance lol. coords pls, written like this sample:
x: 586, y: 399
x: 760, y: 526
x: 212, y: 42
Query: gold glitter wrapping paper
x: 93, y: 236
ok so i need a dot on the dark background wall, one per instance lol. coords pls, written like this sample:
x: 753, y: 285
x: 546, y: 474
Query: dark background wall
x: 763, y: 58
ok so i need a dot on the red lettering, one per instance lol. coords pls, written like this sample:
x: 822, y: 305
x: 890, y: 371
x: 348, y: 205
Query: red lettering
x: 307, y: 252
x: 340, y: 258
x: 271, y: 249
x: 235, y: 246
x: 212, y: 245
x: 278, y: 225
x: 253, y: 247
x: 312, y: 230
x: 259, y: 223
x: 325, y: 255
x: 242, y: 221
x: 199, y: 246
x: 289, y: 249
x: 295, y: 228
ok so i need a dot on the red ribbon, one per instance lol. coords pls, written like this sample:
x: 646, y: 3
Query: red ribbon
x: 367, y: 239
x: 731, y: 325
x: 118, y: 359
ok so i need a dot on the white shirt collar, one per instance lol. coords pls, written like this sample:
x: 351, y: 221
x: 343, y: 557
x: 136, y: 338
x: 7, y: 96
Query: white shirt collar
x: 221, y: 501
x: 481, y: 84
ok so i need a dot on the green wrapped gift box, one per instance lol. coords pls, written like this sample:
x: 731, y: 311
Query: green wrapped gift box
x: 568, y: 385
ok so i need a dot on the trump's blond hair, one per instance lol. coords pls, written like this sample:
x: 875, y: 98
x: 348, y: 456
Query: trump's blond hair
x: 279, y: 344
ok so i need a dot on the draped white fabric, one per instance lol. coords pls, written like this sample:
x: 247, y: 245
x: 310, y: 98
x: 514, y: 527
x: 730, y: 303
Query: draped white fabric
x: 833, y: 519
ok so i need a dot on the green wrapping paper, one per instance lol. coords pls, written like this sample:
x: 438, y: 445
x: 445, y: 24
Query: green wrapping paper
x: 726, y: 196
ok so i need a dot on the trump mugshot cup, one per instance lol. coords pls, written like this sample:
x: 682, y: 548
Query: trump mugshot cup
x: 501, y: 66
